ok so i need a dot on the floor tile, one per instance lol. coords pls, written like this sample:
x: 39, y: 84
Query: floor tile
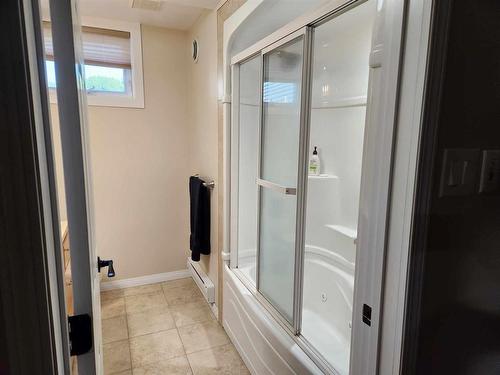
x: 142, y: 302
x: 116, y: 357
x: 182, y: 294
x: 155, y: 347
x: 191, y: 313
x: 142, y: 289
x: 148, y: 314
x: 202, y: 336
x: 174, y: 366
x: 114, y: 329
x: 188, y: 281
x: 220, y: 360
x: 113, y: 293
x: 155, y: 319
x: 112, y: 307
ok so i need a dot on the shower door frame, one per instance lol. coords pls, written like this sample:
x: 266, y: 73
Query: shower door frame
x: 381, y: 110
x: 259, y: 50
x: 299, y: 191
x: 301, y: 185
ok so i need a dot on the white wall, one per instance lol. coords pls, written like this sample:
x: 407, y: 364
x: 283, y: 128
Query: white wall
x: 202, y: 119
x: 140, y: 161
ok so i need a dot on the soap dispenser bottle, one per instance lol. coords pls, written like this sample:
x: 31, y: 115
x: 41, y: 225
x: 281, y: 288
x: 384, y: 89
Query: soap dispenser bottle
x: 314, y: 163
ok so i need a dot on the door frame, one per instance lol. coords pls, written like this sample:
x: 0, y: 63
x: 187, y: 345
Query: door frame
x: 437, y: 50
x: 72, y: 107
x: 32, y: 288
x: 305, y: 34
x: 416, y: 103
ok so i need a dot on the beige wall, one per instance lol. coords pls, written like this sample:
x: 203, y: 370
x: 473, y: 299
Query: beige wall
x: 202, y: 112
x: 142, y: 158
x: 141, y: 163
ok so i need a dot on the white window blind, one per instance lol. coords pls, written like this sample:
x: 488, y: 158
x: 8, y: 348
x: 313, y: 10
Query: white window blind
x: 280, y: 92
x: 101, y: 47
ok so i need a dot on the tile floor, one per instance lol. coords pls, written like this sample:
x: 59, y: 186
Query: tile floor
x: 163, y: 329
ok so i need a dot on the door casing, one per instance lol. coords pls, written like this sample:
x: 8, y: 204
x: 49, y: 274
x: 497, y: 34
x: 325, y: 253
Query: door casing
x: 72, y: 107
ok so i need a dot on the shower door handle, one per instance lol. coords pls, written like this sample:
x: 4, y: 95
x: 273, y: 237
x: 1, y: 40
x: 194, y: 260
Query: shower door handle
x: 278, y: 188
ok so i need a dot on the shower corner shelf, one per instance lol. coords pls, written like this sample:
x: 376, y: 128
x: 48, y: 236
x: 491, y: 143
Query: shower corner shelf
x: 353, y: 101
x: 348, y: 232
x: 323, y: 177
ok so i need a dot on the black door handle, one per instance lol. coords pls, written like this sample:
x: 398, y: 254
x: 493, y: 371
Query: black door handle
x: 106, y: 263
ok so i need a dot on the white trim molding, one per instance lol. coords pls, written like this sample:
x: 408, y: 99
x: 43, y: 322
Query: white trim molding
x: 145, y: 280
x: 409, y: 123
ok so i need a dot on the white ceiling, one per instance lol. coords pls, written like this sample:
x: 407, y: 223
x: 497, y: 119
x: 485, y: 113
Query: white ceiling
x: 174, y: 14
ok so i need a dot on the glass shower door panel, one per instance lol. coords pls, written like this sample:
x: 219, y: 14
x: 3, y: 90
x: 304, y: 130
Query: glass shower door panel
x: 281, y: 113
x: 341, y: 50
x: 248, y: 156
x: 277, y: 250
x: 281, y: 107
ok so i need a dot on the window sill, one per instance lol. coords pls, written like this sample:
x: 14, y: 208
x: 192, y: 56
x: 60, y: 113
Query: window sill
x: 106, y: 100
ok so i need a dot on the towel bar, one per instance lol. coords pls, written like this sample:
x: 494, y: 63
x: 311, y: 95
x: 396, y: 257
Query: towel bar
x: 209, y: 184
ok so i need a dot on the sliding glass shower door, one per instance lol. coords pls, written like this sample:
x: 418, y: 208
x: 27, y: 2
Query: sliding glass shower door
x: 307, y: 91
x: 278, y: 180
x: 245, y: 158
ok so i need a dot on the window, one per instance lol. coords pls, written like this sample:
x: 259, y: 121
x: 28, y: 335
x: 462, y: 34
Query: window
x: 107, y: 79
x: 280, y: 92
x: 113, y: 63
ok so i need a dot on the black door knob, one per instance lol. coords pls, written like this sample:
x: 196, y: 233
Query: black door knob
x: 106, y: 263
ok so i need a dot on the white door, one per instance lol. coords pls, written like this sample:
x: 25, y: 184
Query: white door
x: 72, y: 106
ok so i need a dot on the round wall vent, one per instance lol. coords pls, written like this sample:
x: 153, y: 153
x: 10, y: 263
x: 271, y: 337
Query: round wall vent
x: 195, y: 50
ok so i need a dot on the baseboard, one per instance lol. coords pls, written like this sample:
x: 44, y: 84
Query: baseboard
x: 144, y: 280
x: 215, y: 310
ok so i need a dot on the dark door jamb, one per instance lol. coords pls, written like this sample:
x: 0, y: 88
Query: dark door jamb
x: 441, y: 14
x: 27, y: 332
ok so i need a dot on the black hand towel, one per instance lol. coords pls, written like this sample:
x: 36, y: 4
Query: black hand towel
x: 199, y: 241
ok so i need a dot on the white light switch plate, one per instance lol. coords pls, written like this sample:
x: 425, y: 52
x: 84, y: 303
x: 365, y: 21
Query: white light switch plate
x: 459, y: 171
x: 490, y: 172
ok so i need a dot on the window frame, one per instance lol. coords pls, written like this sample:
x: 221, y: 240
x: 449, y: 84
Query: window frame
x: 105, y: 99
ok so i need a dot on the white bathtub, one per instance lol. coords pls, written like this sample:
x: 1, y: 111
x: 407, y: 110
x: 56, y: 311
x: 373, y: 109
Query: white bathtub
x: 266, y: 347
x: 327, y: 305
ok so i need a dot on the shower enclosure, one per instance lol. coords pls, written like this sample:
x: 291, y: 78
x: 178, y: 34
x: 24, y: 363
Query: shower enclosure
x: 293, y: 233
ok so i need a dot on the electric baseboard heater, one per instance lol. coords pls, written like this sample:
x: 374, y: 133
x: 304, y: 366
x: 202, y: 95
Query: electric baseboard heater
x: 201, y: 279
